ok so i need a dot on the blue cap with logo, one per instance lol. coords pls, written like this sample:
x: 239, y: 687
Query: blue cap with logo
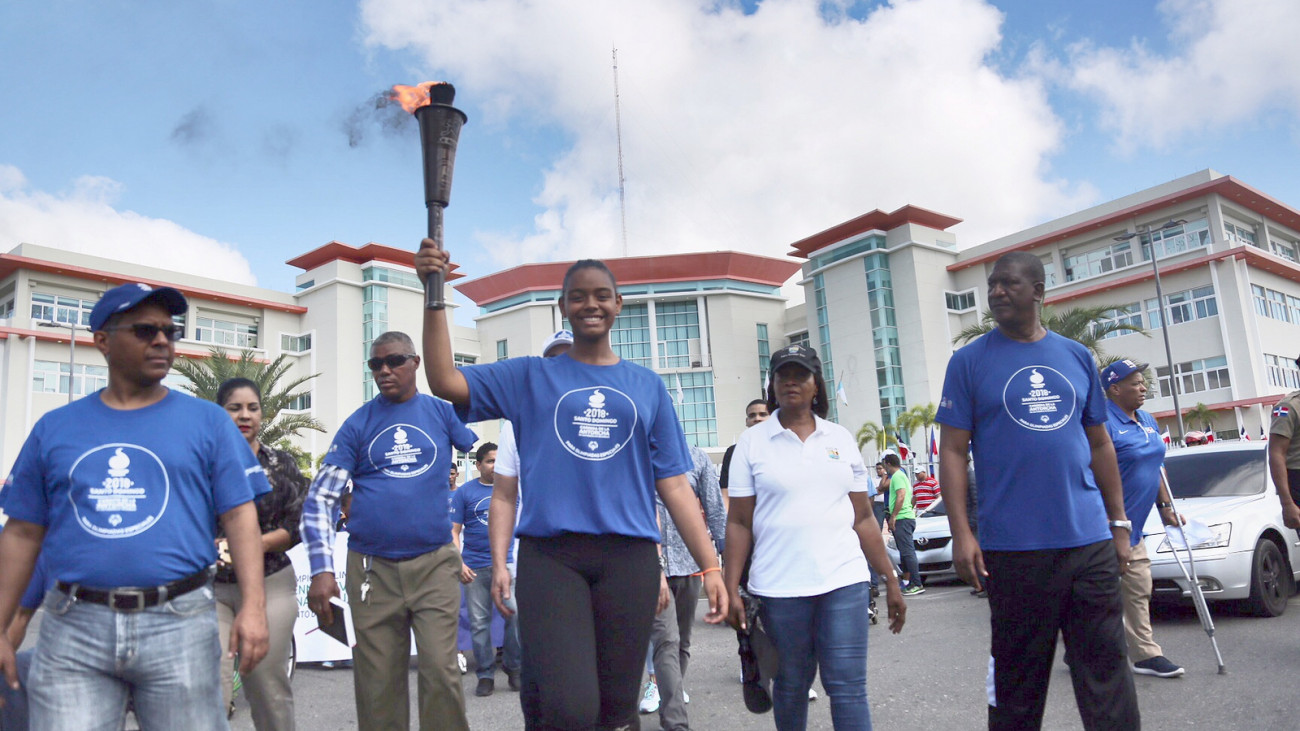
x: 128, y: 296
x: 1119, y: 370
x: 563, y: 337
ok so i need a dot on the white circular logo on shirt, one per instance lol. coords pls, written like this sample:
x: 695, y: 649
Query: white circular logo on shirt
x: 118, y: 490
x: 481, y: 509
x: 402, y: 450
x: 594, y: 423
x: 1039, y: 398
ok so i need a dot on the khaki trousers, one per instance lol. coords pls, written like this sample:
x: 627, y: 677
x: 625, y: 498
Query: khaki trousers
x: 420, y: 595
x: 1135, y: 591
x: 270, y: 697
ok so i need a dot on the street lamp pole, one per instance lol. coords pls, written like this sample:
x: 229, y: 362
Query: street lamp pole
x: 1164, y: 315
x: 72, y: 328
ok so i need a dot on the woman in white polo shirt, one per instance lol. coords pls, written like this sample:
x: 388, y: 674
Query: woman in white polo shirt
x: 799, y: 504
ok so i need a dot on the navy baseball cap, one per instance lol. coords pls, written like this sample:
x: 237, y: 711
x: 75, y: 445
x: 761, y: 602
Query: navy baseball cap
x: 798, y: 354
x: 1119, y: 370
x: 129, y: 296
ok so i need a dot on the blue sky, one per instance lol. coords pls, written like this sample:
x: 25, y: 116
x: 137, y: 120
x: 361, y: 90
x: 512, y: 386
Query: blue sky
x: 213, y: 136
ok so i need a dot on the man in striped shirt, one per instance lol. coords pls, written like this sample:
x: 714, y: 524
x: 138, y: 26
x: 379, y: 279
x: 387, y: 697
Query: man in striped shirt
x: 924, y: 491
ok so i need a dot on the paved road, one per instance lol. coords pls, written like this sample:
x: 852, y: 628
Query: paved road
x: 932, y: 677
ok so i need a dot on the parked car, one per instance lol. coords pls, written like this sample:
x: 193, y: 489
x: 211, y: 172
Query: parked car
x: 1247, y: 554
x: 933, y: 541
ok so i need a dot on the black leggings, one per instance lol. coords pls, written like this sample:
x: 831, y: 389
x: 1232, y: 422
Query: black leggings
x: 586, y: 604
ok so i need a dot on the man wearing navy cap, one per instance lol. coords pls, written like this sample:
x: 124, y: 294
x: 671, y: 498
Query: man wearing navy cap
x: 1140, y: 451
x: 125, y: 487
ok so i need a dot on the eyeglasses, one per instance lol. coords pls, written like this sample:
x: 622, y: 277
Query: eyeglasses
x: 148, y: 333
x: 392, y: 361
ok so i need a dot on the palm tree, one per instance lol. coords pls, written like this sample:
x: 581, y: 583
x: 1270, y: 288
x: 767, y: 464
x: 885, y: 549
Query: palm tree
x: 1082, y: 324
x: 922, y: 416
x: 207, y: 374
x: 1200, y: 415
x: 872, y: 433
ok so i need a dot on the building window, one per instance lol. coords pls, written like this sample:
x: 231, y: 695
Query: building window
x: 1239, y: 234
x: 1049, y: 271
x: 503, y: 349
x: 460, y: 359
x: 7, y: 309
x: 1282, y: 371
x: 1285, y: 248
x: 306, y: 285
x: 764, y: 358
x: 960, y: 301
x: 1276, y: 305
x: 52, y: 377
x: 824, y: 334
x: 57, y: 308
x: 1095, y: 262
x: 1130, y: 314
x: 374, y: 322
x: 1177, y: 239
x: 300, y: 402
x: 630, y: 337
x: 225, y: 332
x: 799, y: 338
x: 677, y: 325
x: 295, y: 343
x: 1185, y: 306
x: 1196, y: 376
x: 884, y: 336
x: 391, y: 276
x: 692, y: 395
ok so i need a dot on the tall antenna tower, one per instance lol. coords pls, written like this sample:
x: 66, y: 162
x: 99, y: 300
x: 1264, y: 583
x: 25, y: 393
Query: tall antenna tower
x: 618, y: 131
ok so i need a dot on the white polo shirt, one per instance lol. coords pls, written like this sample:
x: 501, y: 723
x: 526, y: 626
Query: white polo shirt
x: 804, y: 542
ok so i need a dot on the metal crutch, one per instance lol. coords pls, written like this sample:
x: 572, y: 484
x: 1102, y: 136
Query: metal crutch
x: 1198, y: 597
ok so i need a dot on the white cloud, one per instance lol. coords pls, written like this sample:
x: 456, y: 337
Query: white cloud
x: 85, y: 220
x: 1229, y: 62
x: 746, y: 132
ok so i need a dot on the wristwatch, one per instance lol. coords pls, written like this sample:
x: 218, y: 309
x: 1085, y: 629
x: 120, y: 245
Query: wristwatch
x: 1125, y: 524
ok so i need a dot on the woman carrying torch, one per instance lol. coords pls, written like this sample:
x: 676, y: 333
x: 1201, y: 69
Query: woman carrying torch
x: 598, y: 436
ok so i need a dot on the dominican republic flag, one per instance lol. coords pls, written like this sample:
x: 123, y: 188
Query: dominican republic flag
x: 934, y: 451
x: 1245, y: 434
x: 1282, y: 411
x: 1166, y: 436
x: 1209, y: 434
x: 903, y: 449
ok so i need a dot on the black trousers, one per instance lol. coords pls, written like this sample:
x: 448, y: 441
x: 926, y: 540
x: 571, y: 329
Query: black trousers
x: 1034, y: 596
x: 586, y: 605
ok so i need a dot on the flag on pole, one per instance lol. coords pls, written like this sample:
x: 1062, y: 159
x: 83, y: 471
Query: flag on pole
x: 1209, y: 434
x: 1166, y: 436
x: 903, y: 449
x: 1245, y: 435
x: 839, y: 391
x: 681, y: 397
x: 934, y: 450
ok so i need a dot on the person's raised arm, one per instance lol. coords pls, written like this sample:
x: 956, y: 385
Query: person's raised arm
x: 684, y: 508
x: 445, y: 380
x: 1105, y: 468
x: 501, y: 532
x: 249, y: 636
x: 20, y: 543
x: 967, y: 558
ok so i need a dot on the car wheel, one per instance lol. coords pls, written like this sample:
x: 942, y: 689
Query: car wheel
x: 1270, y: 581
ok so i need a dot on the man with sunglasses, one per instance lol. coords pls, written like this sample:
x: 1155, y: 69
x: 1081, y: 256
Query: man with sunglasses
x: 121, y: 493
x: 403, y: 568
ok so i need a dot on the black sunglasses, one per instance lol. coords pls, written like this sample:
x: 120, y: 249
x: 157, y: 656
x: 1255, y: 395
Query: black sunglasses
x: 148, y: 333
x: 392, y: 361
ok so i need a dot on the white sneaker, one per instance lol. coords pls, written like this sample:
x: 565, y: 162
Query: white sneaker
x: 686, y: 697
x: 650, y: 698
x: 460, y: 660
x: 812, y: 694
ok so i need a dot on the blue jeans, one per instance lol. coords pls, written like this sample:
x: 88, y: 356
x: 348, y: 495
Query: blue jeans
x: 478, y: 596
x: 825, y: 631
x: 90, y: 658
x: 903, y: 530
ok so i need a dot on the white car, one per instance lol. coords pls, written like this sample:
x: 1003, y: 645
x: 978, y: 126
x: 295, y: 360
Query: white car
x: 933, y: 541
x: 1247, y: 553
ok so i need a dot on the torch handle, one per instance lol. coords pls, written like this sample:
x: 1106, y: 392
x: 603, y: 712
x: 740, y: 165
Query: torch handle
x: 433, y: 284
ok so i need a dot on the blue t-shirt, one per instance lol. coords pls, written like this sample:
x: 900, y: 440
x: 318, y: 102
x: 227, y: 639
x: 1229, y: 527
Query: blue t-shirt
x: 592, y: 441
x: 1026, y: 406
x: 1141, y: 453
x: 469, y: 507
x: 131, y: 498
x: 399, y: 455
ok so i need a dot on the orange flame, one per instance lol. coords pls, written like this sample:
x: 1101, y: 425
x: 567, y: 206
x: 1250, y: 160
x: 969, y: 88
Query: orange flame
x: 413, y: 97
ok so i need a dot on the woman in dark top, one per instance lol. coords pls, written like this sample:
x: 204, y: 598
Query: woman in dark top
x: 278, y: 512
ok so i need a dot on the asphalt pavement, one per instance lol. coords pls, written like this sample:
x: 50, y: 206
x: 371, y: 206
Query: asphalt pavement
x: 932, y: 677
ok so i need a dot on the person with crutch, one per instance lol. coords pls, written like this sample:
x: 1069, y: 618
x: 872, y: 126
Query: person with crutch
x: 1140, y: 451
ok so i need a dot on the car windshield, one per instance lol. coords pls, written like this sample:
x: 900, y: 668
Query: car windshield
x: 937, y: 508
x: 1216, y: 474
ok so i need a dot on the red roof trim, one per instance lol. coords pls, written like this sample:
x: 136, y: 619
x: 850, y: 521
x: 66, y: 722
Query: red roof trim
x: 336, y: 250
x: 57, y: 336
x: 876, y: 220
x: 1227, y: 186
x: 548, y: 276
x: 1270, y: 400
x: 10, y: 263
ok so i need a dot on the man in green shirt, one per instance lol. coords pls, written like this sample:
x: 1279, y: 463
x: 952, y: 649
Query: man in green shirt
x: 902, y: 523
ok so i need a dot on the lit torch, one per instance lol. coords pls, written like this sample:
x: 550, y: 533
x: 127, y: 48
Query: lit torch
x: 440, y: 125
